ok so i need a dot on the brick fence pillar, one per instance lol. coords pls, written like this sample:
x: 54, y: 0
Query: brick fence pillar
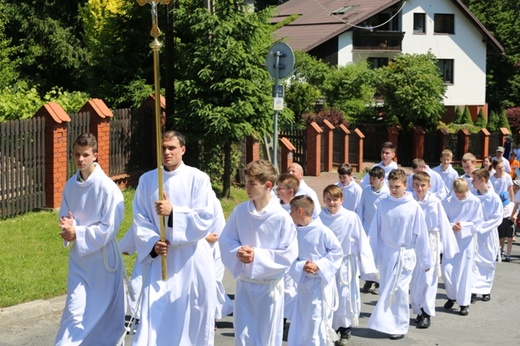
x: 313, y: 135
x: 100, y: 116
x: 287, y: 149
x: 345, y: 141
x: 252, y: 149
x: 463, y: 141
x: 56, y: 152
x: 485, y: 142
x: 359, y: 155
x: 393, y: 136
x: 418, y: 142
x: 328, y: 134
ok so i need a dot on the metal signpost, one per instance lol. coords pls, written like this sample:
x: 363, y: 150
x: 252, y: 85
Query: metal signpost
x: 280, y: 64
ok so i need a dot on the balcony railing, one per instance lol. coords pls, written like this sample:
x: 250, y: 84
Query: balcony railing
x: 378, y: 40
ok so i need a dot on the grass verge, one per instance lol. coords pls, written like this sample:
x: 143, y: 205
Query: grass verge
x: 33, y: 261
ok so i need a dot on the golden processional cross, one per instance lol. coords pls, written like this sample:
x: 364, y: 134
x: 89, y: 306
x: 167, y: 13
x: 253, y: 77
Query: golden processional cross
x: 156, y: 46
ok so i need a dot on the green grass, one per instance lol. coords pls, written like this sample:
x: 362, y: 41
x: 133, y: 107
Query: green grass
x: 33, y: 261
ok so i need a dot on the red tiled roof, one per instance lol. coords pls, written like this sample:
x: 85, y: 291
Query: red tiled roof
x: 316, y: 24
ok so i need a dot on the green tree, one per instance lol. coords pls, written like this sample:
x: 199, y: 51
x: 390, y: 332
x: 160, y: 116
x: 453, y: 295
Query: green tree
x: 503, y: 80
x: 350, y: 89
x: 303, y: 91
x: 503, y: 122
x: 459, y: 115
x: 481, y: 119
x: 466, y: 116
x: 301, y: 98
x: 47, y: 37
x: 222, y: 88
x: 8, y: 64
x: 310, y: 69
x: 413, y: 90
x: 117, y: 36
x: 493, y: 122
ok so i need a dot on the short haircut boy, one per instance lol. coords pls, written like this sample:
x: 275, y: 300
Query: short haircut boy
x: 469, y: 157
x: 345, y: 169
x: 304, y: 202
x: 447, y: 153
x: 460, y: 185
x: 397, y: 174
x: 289, y: 181
x: 261, y: 170
x: 496, y: 162
x: 388, y: 145
x: 334, y: 191
x: 482, y: 173
x: 422, y: 177
x: 418, y: 163
x: 175, y: 134
x: 87, y: 140
x: 377, y: 172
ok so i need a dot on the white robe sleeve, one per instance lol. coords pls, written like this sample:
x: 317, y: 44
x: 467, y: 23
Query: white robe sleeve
x: 365, y: 255
x: 329, y: 264
x: 449, y: 243
x: 422, y: 244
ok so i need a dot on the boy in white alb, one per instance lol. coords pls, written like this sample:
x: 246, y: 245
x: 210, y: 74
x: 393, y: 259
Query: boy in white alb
x: 487, y: 238
x: 464, y: 211
x: 314, y: 271
x: 387, y: 163
x: 399, y: 241
x: 351, y: 190
x: 445, y: 169
x: 357, y: 256
x: 501, y: 180
x: 437, y: 186
x: 286, y: 187
x: 304, y: 189
x: 423, y: 289
x: 370, y: 198
x: 90, y: 214
x: 258, y: 246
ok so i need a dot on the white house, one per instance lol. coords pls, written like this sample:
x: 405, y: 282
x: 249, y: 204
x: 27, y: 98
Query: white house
x: 344, y: 31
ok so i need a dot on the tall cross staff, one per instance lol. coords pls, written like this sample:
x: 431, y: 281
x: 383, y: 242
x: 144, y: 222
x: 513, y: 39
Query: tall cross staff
x: 156, y: 46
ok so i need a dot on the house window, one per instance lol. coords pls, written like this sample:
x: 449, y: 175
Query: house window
x: 444, y: 23
x: 377, y: 62
x: 419, y: 23
x: 446, y: 69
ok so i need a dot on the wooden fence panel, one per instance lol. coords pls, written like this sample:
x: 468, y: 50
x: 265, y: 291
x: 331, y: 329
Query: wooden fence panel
x: 22, y: 166
x: 375, y: 136
x: 476, y: 145
x: 132, y: 145
x: 432, y: 148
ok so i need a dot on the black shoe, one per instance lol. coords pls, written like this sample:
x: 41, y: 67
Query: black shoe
x: 396, y: 336
x: 464, y: 311
x: 367, y: 287
x: 418, y: 319
x: 486, y: 297
x: 473, y: 298
x: 425, y: 322
x: 343, y: 339
x: 507, y: 259
x: 449, y: 304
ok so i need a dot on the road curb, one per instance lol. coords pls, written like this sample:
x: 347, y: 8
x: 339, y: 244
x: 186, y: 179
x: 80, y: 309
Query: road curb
x: 34, y: 309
